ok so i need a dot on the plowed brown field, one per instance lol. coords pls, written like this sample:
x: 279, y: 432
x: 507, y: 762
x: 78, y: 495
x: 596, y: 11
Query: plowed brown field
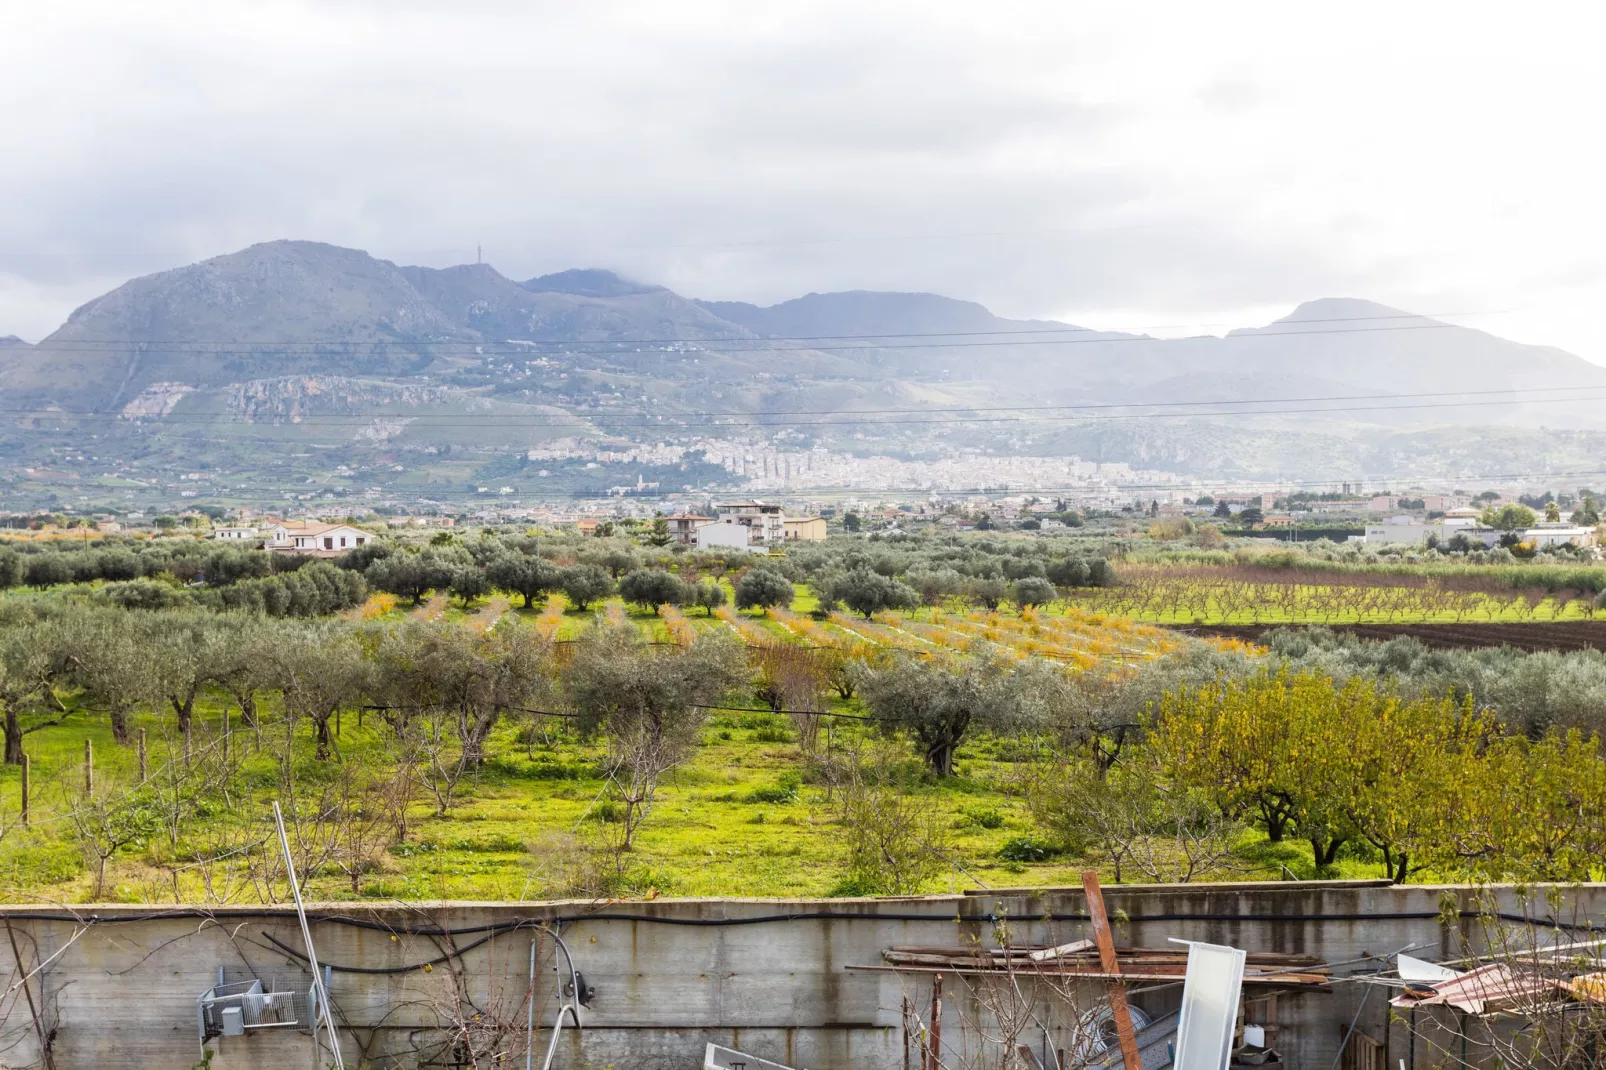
x: 1543, y: 635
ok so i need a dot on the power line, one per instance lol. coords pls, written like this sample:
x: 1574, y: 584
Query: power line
x: 87, y: 346
x: 352, y: 504
x: 1067, y: 328
x: 670, y: 422
x: 464, y: 417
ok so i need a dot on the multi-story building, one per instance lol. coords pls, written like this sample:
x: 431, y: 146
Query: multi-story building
x: 683, y: 527
x: 765, y: 522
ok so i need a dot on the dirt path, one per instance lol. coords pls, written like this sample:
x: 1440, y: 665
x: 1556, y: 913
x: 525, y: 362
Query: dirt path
x: 486, y: 618
x: 434, y: 609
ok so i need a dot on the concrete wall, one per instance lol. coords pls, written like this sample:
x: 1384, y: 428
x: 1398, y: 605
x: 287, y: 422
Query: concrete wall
x: 675, y: 974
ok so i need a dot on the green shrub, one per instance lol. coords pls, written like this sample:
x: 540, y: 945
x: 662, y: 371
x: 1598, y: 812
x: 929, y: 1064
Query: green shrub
x: 782, y: 791
x: 986, y: 817
x: 772, y: 734
x: 1027, y: 849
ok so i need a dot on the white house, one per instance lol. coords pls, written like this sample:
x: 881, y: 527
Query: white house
x: 1408, y: 531
x: 313, y: 537
x: 727, y: 535
x: 241, y: 534
x: 1559, y: 534
x: 1401, y: 530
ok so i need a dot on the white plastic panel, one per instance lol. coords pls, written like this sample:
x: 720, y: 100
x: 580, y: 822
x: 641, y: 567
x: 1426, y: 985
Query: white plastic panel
x: 1210, y: 996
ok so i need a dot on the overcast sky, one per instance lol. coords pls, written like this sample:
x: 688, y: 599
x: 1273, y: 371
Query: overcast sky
x: 1120, y: 165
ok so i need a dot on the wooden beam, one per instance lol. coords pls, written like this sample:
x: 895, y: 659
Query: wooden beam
x: 1115, y: 986
x: 1061, y: 951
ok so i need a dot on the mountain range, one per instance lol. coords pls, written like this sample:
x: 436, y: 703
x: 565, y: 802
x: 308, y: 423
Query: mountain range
x: 284, y: 333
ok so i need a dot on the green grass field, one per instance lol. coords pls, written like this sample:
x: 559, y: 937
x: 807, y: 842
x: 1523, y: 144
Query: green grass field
x: 749, y: 815
x: 741, y: 819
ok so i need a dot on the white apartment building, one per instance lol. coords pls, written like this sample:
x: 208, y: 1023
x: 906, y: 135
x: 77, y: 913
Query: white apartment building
x: 765, y: 522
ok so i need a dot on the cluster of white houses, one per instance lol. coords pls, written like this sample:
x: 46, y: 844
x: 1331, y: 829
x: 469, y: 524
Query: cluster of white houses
x: 1410, y: 531
x: 753, y: 526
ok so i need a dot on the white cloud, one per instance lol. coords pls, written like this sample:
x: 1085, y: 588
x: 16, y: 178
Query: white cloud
x: 1153, y: 163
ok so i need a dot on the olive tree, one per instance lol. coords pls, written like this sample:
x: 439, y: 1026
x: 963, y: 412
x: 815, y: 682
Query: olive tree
x: 116, y: 671
x: 410, y: 575
x: 868, y: 592
x: 1034, y: 591
x: 26, y: 674
x: 470, y: 678
x: 584, y: 584
x: 320, y: 670
x: 524, y: 574
x: 708, y: 596
x: 762, y: 588
x: 987, y: 590
x: 650, y: 588
x: 188, y: 649
x: 469, y: 583
x: 648, y: 702
x: 939, y: 702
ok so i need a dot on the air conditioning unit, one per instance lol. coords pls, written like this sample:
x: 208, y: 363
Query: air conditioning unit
x: 236, y: 1009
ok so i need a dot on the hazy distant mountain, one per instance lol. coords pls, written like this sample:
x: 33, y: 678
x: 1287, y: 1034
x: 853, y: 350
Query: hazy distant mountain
x: 274, y: 309
x: 288, y: 308
x: 1324, y: 348
x: 587, y: 282
x: 858, y: 313
x: 289, y: 333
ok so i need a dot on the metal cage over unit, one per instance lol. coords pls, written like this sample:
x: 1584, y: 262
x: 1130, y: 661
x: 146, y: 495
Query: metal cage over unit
x: 233, y: 1009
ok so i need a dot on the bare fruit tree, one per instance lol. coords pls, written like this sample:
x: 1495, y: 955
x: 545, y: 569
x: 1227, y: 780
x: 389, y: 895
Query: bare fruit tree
x: 893, y: 835
x: 650, y: 703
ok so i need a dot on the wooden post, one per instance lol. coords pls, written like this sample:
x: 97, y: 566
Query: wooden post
x: 934, y: 1048
x: 143, y: 771
x: 89, y: 767
x: 25, y: 763
x: 1114, y: 987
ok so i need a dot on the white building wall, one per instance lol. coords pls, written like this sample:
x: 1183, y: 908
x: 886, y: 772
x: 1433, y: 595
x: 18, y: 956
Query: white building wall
x: 725, y: 535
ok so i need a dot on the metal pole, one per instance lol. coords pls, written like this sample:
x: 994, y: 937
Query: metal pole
x: 25, y: 785
x: 1351, y: 1030
x: 306, y: 937
x: 529, y: 1018
x: 906, y: 1012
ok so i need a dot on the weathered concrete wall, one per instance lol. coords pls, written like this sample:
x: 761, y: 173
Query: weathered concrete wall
x: 672, y: 975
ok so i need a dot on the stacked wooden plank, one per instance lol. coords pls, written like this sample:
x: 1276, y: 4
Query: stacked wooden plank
x: 1081, y: 959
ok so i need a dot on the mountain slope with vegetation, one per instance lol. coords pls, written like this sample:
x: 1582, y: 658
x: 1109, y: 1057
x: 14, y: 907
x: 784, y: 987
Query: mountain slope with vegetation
x: 189, y: 365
